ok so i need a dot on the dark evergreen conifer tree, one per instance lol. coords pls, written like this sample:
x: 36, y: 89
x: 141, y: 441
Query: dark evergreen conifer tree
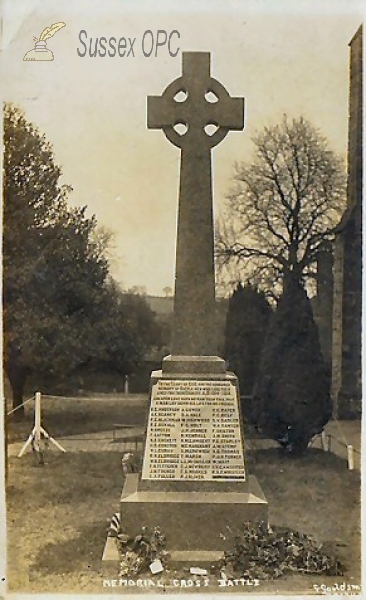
x: 292, y: 394
x: 246, y: 326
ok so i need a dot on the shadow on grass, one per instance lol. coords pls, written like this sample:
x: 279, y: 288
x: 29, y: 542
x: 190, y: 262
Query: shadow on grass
x: 315, y: 494
x: 316, y: 474
x: 80, y: 554
x: 314, y: 457
x: 64, y: 479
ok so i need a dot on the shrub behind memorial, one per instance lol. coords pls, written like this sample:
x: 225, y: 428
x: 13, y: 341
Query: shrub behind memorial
x: 246, y: 326
x: 292, y: 396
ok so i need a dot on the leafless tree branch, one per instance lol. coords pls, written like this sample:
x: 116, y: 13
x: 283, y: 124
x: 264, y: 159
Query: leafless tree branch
x: 283, y: 206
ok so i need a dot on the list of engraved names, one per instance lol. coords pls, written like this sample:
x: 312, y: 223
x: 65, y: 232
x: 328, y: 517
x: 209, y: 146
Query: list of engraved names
x: 194, y: 432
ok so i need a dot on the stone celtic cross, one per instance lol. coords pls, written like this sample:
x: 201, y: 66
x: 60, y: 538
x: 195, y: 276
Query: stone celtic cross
x: 205, y: 102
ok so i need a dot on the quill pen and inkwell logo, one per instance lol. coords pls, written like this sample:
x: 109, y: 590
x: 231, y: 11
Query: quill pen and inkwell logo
x: 40, y: 50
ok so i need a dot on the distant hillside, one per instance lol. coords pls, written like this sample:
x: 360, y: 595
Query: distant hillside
x: 165, y: 305
x: 163, y: 308
x: 161, y: 305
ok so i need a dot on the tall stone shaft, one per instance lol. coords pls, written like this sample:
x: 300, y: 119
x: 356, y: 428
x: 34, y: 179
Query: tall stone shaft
x: 194, y: 305
x: 205, y: 102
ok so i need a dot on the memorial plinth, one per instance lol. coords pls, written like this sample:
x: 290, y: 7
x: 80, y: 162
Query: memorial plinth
x: 193, y: 483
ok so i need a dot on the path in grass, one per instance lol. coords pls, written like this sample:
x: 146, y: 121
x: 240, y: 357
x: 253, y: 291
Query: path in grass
x: 126, y: 440
x: 83, y: 424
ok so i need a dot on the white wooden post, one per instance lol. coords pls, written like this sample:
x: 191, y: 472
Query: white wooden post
x: 326, y: 441
x: 350, y: 457
x: 37, y: 422
x: 126, y: 384
x: 35, y: 435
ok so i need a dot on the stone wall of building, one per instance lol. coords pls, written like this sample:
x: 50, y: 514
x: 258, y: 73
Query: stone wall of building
x: 347, y: 309
x: 337, y: 312
x: 323, y: 302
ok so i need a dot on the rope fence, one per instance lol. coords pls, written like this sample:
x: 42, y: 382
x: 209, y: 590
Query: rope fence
x: 59, y: 413
x: 47, y: 396
x: 351, y: 450
x: 20, y: 406
x: 38, y: 432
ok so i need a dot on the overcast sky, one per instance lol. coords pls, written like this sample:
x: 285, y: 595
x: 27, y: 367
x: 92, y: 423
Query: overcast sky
x: 283, y: 57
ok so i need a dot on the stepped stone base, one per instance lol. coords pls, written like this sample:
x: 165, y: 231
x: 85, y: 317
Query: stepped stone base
x: 193, y: 520
x: 199, y: 525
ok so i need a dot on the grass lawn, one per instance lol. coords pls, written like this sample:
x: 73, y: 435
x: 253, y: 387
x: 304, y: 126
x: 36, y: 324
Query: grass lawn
x: 58, y: 514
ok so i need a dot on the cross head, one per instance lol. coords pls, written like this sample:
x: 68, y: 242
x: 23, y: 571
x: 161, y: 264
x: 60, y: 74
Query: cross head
x: 205, y: 102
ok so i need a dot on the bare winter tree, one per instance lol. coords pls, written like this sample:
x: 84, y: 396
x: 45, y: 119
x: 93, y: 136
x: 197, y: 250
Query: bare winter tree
x: 283, y: 207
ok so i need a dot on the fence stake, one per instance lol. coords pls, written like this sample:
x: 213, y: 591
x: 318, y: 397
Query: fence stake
x: 126, y: 384
x: 350, y: 457
x: 37, y: 432
x: 324, y: 442
x: 37, y: 423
